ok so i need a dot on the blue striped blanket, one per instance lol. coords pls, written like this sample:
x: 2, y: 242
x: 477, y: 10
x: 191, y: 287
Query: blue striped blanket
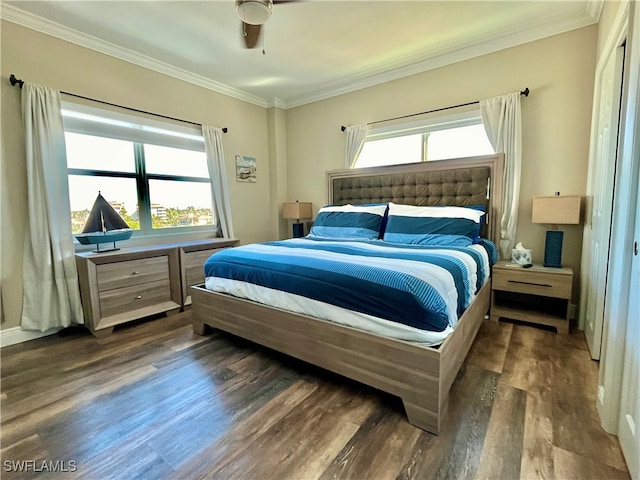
x: 426, y: 287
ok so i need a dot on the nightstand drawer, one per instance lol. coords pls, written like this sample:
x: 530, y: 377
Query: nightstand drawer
x: 532, y: 282
x: 192, y: 259
x: 132, y: 272
x: 194, y: 265
x: 129, y: 299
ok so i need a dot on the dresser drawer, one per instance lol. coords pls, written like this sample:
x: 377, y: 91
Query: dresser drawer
x: 194, y: 265
x: 131, y: 298
x: 532, y: 283
x: 132, y: 272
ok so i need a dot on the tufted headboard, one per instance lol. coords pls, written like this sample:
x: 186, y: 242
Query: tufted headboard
x: 459, y: 182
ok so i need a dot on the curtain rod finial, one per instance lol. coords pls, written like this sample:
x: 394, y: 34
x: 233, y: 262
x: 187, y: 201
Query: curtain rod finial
x: 343, y: 128
x: 15, y: 81
x: 525, y: 92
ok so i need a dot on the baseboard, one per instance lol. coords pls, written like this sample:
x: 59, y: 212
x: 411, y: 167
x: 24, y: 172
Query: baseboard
x: 11, y: 336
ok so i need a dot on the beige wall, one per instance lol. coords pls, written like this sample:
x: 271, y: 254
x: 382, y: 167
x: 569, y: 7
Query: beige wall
x: 556, y: 119
x: 58, y: 64
x: 295, y: 148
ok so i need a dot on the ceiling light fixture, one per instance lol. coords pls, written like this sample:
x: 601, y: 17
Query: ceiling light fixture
x: 254, y: 12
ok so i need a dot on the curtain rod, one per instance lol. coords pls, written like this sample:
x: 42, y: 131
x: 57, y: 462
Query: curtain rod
x: 524, y: 92
x: 16, y: 81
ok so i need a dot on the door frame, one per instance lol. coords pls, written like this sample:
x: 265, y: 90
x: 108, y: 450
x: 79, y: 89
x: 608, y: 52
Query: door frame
x: 622, y: 234
x: 615, y: 40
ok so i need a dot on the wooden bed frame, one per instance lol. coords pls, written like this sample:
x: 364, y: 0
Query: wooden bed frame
x: 421, y: 376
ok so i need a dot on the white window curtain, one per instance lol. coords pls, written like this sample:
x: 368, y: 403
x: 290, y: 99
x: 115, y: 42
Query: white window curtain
x: 502, y: 121
x: 50, y: 280
x: 218, y: 172
x: 356, y: 135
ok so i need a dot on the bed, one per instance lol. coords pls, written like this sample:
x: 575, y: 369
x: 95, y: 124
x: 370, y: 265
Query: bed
x: 421, y: 375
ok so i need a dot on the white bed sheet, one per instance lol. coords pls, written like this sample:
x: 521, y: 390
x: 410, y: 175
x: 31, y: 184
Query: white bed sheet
x: 314, y: 308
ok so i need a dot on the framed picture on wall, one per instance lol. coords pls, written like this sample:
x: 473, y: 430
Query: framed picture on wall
x: 245, y: 169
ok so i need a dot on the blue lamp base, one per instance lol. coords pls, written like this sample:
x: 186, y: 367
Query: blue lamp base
x: 298, y: 230
x: 553, y: 249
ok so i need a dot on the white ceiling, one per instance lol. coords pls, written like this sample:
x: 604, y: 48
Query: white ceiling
x: 314, y: 49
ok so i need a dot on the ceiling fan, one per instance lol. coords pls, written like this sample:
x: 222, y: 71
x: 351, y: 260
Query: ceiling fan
x: 253, y: 14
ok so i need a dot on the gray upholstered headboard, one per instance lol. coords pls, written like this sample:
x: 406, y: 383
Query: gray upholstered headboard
x: 461, y: 187
x: 459, y: 182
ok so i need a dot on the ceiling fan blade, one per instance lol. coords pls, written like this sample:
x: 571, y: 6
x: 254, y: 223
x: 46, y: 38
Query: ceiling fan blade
x: 251, y: 34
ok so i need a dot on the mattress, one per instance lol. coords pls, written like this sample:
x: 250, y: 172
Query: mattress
x: 408, y: 292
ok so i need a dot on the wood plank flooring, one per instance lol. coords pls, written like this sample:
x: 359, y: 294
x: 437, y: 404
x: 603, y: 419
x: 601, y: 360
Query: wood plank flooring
x: 155, y: 401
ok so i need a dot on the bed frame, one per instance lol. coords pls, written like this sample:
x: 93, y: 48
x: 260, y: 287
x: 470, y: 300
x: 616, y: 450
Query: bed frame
x: 421, y: 376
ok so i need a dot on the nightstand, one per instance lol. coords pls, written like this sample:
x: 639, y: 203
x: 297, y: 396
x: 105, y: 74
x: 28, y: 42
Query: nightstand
x: 539, y: 295
x: 128, y: 284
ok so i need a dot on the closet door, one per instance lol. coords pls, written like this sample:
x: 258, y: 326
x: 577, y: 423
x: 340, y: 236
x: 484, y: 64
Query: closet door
x: 630, y: 400
x: 600, y: 191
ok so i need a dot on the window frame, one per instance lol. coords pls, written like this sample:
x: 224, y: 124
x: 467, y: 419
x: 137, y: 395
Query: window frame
x: 424, y: 127
x: 81, y: 119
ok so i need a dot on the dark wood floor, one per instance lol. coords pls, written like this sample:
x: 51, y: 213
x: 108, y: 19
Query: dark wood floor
x: 155, y: 401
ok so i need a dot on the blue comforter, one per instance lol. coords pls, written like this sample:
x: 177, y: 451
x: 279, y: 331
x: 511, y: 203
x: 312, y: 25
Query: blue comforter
x: 426, y: 287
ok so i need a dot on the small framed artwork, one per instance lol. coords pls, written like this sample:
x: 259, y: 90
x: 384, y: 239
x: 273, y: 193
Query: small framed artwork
x: 245, y: 169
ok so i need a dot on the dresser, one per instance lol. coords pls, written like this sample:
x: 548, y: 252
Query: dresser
x: 132, y: 283
x: 192, y: 258
x: 538, y: 295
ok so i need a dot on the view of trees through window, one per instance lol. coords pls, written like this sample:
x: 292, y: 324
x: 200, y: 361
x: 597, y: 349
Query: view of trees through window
x: 150, y: 186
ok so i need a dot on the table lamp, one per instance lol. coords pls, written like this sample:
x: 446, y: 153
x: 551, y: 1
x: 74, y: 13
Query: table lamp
x: 556, y: 210
x: 297, y: 211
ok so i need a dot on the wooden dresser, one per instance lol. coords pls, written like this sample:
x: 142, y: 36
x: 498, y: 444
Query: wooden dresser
x: 131, y: 283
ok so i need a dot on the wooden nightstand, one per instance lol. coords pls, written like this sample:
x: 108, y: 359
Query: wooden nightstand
x: 539, y: 295
x: 136, y: 282
x: 128, y: 284
x: 192, y: 258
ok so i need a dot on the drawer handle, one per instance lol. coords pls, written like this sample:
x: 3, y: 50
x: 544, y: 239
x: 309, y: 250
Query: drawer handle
x: 138, y: 297
x: 530, y: 283
x: 135, y: 273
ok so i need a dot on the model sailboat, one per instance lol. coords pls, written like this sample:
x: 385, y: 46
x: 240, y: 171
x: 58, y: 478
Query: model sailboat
x: 104, y: 225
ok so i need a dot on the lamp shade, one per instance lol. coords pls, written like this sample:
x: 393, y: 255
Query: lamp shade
x: 556, y: 210
x: 296, y: 210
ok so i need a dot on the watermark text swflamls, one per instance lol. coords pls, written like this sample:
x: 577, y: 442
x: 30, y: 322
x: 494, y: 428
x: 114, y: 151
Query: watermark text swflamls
x: 38, y: 466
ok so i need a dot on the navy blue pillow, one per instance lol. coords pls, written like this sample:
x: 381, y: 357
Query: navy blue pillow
x: 349, y: 222
x: 416, y: 225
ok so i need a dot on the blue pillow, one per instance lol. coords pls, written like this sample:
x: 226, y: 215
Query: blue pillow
x: 482, y: 208
x: 411, y: 224
x: 349, y: 222
x: 385, y: 217
x: 429, y: 239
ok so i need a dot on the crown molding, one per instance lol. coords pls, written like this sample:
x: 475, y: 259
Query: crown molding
x: 34, y: 22
x: 536, y: 29
x: 594, y: 9
x: 277, y: 102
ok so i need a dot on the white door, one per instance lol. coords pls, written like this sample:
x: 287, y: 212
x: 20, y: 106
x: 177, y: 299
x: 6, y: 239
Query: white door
x: 600, y: 190
x: 629, y: 416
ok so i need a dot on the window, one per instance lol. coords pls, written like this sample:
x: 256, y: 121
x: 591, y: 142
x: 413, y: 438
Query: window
x: 453, y: 136
x: 153, y: 173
